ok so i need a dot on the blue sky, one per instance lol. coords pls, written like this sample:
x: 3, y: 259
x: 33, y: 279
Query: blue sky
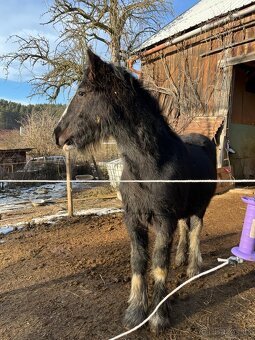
x: 24, y: 17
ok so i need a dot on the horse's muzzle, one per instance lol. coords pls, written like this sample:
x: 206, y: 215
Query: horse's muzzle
x: 63, y: 137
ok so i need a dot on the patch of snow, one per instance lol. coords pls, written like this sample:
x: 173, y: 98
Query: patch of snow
x: 98, y: 211
x: 52, y: 219
x: 49, y: 218
x: 18, y: 198
x: 6, y: 229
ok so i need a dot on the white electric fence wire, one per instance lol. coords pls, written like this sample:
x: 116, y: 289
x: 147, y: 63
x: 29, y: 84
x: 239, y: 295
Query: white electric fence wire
x: 225, y: 262
x: 132, y: 181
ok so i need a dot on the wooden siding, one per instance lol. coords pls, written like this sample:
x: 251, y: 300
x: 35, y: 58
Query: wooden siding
x: 191, y: 79
x: 208, y: 126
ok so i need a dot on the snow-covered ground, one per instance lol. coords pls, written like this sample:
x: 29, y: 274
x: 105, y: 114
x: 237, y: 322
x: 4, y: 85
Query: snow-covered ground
x: 51, y: 219
x: 13, y: 199
x: 18, y: 198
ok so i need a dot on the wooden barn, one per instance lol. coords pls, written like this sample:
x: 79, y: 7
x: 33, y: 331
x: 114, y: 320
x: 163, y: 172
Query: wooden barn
x: 202, y: 68
x: 12, y: 160
x: 12, y: 153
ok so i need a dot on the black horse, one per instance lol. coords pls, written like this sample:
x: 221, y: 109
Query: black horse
x: 111, y: 102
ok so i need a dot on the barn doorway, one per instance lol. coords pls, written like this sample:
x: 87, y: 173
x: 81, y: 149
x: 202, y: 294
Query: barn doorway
x: 242, y: 121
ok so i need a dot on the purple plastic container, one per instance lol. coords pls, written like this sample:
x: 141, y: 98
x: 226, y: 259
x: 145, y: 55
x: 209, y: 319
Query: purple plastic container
x: 246, y: 248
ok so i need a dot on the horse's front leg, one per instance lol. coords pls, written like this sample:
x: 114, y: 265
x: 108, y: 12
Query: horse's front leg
x: 138, y: 300
x: 160, y: 266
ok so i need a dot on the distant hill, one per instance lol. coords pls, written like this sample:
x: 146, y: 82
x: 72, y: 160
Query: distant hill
x: 12, y: 113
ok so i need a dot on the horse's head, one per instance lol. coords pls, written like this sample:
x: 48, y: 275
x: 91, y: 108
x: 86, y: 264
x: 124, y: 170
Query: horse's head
x: 96, y: 109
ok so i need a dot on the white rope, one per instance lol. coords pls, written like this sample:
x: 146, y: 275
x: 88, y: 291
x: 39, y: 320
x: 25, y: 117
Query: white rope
x: 132, y: 181
x: 231, y: 259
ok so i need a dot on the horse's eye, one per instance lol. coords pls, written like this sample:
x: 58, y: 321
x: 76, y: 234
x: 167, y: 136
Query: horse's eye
x: 81, y: 93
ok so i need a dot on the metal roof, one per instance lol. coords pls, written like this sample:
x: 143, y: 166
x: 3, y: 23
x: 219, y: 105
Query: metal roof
x: 202, y: 12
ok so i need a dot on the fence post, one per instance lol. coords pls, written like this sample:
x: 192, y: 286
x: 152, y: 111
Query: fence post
x: 68, y: 182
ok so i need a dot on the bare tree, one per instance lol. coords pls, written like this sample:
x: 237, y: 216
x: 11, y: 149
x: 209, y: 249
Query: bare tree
x: 178, y: 95
x: 115, y: 26
x: 37, y: 133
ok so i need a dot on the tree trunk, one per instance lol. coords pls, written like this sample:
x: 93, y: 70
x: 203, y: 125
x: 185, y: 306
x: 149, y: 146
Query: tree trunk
x: 115, y: 36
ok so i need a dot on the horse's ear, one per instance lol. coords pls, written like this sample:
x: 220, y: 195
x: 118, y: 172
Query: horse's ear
x: 95, y: 65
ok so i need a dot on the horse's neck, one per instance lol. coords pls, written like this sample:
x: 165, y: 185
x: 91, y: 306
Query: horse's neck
x: 143, y: 146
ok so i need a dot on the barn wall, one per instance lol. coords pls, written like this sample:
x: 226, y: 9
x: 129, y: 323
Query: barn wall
x: 12, y: 160
x: 192, y: 79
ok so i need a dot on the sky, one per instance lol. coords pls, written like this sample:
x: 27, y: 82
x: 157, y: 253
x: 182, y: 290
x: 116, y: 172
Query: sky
x: 25, y: 17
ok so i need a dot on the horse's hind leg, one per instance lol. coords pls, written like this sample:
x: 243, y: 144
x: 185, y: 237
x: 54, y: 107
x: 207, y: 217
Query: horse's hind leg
x: 160, y: 265
x: 195, y: 258
x: 138, y: 300
x: 182, y: 248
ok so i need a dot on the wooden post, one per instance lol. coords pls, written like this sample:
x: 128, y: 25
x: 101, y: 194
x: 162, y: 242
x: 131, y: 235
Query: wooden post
x: 68, y: 181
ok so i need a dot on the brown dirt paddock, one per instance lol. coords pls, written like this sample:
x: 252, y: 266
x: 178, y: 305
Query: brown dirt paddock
x: 71, y: 280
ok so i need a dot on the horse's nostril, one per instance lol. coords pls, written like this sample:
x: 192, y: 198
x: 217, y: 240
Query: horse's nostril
x: 57, y: 140
x: 56, y: 132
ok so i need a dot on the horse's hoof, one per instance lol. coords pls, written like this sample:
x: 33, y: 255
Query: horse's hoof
x: 158, y: 324
x: 134, y: 316
x: 160, y: 321
x: 180, y: 260
x: 193, y: 271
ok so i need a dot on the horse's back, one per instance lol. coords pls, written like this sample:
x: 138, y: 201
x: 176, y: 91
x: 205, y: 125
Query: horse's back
x: 191, y: 157
x: 206, y: 146
x: 202, y: 155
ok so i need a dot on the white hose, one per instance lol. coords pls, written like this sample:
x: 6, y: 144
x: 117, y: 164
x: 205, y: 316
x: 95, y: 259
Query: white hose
x: 231, y: 259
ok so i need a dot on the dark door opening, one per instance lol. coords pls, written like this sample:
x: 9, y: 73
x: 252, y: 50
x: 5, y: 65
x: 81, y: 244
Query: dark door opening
x: 242, y: 122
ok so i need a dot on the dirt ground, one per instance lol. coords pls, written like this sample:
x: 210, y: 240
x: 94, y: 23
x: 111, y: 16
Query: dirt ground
x: 71, y: 280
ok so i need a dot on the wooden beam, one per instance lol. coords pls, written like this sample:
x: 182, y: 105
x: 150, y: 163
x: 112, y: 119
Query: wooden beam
x: 245, y: 58
x: 222, y: 48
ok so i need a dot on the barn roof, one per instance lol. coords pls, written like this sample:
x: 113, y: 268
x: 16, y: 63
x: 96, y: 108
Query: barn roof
x: 202, y: 12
